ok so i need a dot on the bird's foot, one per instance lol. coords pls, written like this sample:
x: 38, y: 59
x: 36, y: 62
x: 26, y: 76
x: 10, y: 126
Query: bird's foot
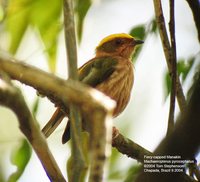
x: 115, y: 132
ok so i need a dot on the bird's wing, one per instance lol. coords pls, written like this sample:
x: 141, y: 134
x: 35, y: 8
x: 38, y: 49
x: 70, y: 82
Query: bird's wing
x: 97, y: 70
x: 92, y: 73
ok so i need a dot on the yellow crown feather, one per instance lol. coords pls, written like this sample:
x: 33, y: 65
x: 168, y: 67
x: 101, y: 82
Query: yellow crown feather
x: 114, y: 36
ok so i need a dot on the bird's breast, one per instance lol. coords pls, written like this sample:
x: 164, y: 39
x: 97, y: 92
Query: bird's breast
x: 119, y: 85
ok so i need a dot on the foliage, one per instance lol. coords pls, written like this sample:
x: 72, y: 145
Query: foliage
x: 30, y: 13
x: 81, y: 9
x: 45, y: 22
x: 183, y: 68
x: 141, y: 32
x: 20, y: 159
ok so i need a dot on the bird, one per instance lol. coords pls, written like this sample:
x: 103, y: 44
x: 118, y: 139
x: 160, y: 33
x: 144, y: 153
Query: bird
x: 111, y: 71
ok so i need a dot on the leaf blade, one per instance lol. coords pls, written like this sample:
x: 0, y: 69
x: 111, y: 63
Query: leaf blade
x: 20, y: 159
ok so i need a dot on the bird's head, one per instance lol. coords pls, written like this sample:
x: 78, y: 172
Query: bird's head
x: 117, y: 45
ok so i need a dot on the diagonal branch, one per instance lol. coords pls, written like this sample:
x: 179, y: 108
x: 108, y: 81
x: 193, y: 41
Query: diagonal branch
x: 172, y: 53
x: 129, y: 148
x: 167, y: 49
x: 12, y: 98
x: 59, y: 91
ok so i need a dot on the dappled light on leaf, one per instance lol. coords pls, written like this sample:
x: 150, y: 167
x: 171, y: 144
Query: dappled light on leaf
x: 183, y: 68
x: 81, y: 8
x: 49, y: 25
x: 20, y: 158
x: 17, y: 21
x: 22, y: 14
x: 139, y: 33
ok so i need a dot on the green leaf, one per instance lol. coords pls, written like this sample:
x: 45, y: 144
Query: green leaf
x: 138, y: 32
x: 23, y: 13
x: 20, y: 158
x: 81, y: 8
x: 47, y: 22
x: 35, y: 106
x: 183, y: 68
x: 1, y: 13
x: 153, y: 26
x: 17, y: 21
x: 168, y: 84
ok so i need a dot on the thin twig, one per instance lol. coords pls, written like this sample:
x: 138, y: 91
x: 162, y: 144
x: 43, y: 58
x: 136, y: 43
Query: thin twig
x: 166, y: 47
x: 173, y: 71
x: 79, y: 163
x: 70, y: 39
x: 12, y: 98
x: 129, y: 148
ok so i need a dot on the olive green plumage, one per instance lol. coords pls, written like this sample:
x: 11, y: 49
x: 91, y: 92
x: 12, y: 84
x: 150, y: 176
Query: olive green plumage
x: 97, y: 70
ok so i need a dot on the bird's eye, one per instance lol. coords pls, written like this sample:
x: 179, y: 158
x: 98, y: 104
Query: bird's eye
x: 118, y: 42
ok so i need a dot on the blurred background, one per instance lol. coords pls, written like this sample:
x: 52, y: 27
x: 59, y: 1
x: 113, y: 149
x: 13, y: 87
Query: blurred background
x: 33, y: 32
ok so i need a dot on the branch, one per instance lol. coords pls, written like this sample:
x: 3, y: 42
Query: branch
x: 174, y: 69
x: 70, y: 38
x: 167, y: 49
x: 129, y: 148
x: 59, y: 91
x: 12, y: 98
x: 78, y: 160
x: 195, y: 7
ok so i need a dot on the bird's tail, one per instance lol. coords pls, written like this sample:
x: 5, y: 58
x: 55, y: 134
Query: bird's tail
x: 53, y: 123
x: 66, y: 134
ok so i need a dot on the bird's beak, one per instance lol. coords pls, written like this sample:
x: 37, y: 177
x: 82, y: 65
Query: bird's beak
x: 136, y: 42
